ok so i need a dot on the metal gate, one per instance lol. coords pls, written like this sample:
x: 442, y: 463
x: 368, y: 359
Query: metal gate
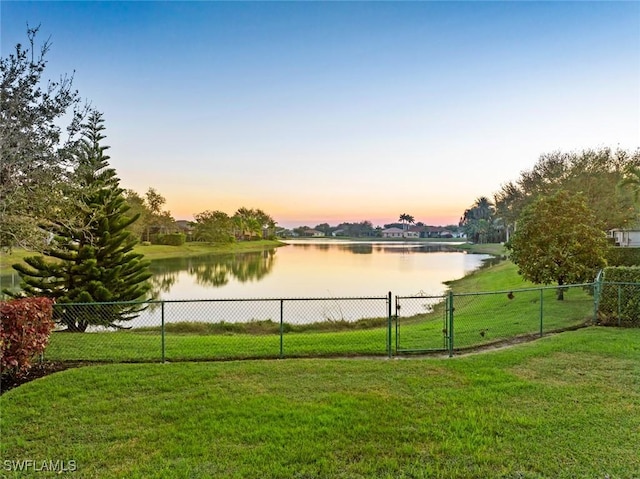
x: 422, y: 323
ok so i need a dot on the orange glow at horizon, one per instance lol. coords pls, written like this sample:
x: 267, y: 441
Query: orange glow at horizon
x: 300, y: 214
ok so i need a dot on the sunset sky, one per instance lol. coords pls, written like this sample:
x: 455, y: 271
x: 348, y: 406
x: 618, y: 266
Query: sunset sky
x: 342, y: 111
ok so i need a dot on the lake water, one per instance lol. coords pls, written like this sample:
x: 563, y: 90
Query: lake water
x: 316, y: 268
x: 303, y: 270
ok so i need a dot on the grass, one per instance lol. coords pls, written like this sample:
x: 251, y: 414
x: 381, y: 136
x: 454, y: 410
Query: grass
x: 566, y: 406
x: 155, y: 252
x: 479, y: 320
x: 8, y: 259
x: 264, y: 326
x: 490, y: 317
x: 496, y: 249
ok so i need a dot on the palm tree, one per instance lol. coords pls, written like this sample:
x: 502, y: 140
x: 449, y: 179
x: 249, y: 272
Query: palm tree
x: 406, y: 219
x: 631, y: 180
x: 484, y: 208
x: 480, y: 223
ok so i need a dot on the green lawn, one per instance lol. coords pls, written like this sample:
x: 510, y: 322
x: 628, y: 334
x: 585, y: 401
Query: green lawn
x: 497, y: 249
x: 154, y: 252
x: 566, y: 406
x: 485, y: 312
x: 478, y: 320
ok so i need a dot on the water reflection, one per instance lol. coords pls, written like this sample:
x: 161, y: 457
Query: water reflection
x: 311, y: 269
x: 212, y: 271
x: 369, y: 247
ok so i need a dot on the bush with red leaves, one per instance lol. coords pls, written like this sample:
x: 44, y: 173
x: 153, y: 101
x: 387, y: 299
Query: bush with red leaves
x: 25, y: 327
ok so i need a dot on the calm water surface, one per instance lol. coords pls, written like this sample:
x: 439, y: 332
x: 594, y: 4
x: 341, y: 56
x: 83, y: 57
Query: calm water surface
x: 315, y: 268
x: 301, y: 269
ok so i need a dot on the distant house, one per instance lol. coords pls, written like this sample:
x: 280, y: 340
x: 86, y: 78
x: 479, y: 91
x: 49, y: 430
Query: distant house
x: 392, y: 233
x: 313, y: 233
x: 420, y: 231
x: 626, y: 238
x: 398, y: 233
x: 186, y: 227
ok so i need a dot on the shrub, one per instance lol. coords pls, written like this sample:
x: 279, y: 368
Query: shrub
x: 25, y: 327
x: 620, y: 296
x: 617, y: 256
x: 173, y: 239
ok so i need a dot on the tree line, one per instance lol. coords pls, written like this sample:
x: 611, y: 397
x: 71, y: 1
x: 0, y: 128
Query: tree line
x: 365, y: 229
x: 607, y: 179
x: 154, y: 224
x: 554, y: 217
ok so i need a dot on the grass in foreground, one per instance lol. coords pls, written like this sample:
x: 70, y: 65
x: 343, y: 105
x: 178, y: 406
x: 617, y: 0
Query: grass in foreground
x: 563, y: 407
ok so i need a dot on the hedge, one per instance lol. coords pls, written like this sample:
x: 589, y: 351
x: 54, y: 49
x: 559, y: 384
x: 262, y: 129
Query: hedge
x: 172, y: 239
x: 619, y: 302
x: 623, y: 256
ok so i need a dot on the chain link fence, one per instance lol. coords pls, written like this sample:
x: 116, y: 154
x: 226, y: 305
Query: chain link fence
x: 619, y: 304
x: 317, y: 327
x: 222, y: 329
x: 459, y: 321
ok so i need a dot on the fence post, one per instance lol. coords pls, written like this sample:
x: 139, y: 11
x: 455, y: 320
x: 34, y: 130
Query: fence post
x: 162, y: 332
x: 397, y: 328
x: 541, y: 311
x: 597, y: 290
x: 451, y: 324
x: 389, y: 326
x: 619, y: 305
x: 281, y: 328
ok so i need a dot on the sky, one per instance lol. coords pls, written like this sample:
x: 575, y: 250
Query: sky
x: 342, y: 111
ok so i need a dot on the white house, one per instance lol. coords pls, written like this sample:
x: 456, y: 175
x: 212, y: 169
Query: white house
x: 398, y: 233
x: 626, y: 238
x: 313, y: 233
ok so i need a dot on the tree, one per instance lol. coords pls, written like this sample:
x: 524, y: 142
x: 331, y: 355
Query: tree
x: 93, y: 263
x: 34, y: 156
x: 248, y: 224
x: 300, y: 230
x: 252, y: 223
x: 480, y: 222
x: 325, y: 228
x: 558, y: 240
x: 153, y: 221
x: 154, y: 201
x: 160, y: 221
x: 406, y: 220
x: 213, y: 227
x: 631, y: 181
x: 137, y: 206
x: 594, y: 173
x: 357, y: 230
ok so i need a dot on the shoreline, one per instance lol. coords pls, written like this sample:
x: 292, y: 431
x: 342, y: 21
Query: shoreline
x: 194, y: 249
x: 160, y: 252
